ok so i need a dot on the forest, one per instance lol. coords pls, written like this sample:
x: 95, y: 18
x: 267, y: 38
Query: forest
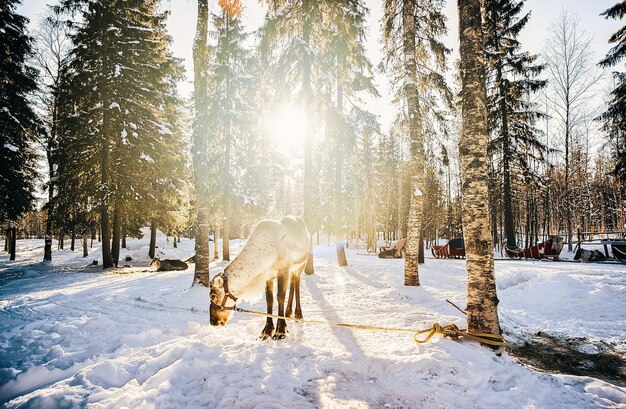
x: 451, y: 136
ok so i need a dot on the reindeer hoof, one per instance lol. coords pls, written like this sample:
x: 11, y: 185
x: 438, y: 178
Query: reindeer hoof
x: 289, y: 314
x: 268, y: 332
x: 298, y: 315
x: 279, y: 335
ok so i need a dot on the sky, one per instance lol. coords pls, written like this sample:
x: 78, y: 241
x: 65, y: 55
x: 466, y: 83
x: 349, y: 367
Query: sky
x: 183, y: 18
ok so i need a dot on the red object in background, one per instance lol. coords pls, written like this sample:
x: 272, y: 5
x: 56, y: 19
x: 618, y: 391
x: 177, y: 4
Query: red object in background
x: 455, y: 248
x: 550, y: 248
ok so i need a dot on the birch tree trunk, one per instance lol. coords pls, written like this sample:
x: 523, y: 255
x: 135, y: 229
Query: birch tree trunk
x: 416, y: 161
x: 482, y: 300
x: 200, y: 132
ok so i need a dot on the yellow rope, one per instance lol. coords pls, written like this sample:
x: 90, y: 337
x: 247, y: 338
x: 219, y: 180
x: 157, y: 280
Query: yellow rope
x: 450, y: 331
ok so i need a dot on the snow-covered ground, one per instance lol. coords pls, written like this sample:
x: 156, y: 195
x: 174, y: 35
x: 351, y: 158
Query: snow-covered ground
x: 73, y: 336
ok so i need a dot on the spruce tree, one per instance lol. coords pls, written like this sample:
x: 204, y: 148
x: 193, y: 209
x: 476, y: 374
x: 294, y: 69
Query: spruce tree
x: 229, y: 111
x: 19, y: 125
x: 614, y: 118
x: 511, y: 81
x: 117, y: 144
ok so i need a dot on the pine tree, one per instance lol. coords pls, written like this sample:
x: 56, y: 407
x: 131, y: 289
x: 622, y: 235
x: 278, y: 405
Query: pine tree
x: 482, y: 300
x: 229, y: 80
x: 614, y: 118
x: 116, y: 141
x: 511, y: 81
x: 415, y: 58
x: 19, y: 125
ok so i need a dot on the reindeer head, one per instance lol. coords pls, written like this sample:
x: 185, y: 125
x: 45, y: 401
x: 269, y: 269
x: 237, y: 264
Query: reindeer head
x: 222, y: 302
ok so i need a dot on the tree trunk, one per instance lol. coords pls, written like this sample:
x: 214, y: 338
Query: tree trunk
x: 47, y: 247
x: 85, y: 238
x: 73, y: 242
x: 124, y: 235
x: 216, y: 238
x: 308, y: 136
x: 115, y: 246
x: 482, y: 300
x: 341, y: 251
x: 175, y: 242
x: 416, y: 161
x: 568, y: 207
x: 13, y: 242
x: 7, y: 239
x: 153, y: 233
x: 200, y: 132
x: 61, y: 239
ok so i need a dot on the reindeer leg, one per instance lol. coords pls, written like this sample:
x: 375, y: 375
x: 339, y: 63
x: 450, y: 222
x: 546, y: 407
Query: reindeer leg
x: 292, y: 283
x: 281, y: 325
x: 268, y: 331
x: 296, y: 279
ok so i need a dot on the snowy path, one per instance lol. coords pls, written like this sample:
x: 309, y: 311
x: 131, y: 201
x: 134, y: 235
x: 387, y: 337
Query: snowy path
x: 142, y: 340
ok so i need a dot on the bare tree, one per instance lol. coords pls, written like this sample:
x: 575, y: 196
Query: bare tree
x: 52, y: 45
x: 572, y: 76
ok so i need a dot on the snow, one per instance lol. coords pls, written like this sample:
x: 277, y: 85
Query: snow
x: 11, y: 147
x: 146, y: 157
x: 74, y: 336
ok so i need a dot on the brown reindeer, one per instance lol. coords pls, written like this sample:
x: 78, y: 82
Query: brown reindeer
x: 276, y: 249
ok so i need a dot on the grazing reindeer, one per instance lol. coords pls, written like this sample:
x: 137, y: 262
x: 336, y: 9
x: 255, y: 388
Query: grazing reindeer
x: 275, y: 249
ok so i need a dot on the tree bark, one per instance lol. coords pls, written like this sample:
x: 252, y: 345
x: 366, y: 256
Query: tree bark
x: 341, y: 251
x: 153, y: 233
x: 47, y: 247
x: 73, y: 242
x: 85, y: 251
x: 416, y: 161
x: 115, y: 246
x: 482, y: 300
x: 13, y: 242
x: 216, y: 238
x: 200, y: 133
x: 124, y: 235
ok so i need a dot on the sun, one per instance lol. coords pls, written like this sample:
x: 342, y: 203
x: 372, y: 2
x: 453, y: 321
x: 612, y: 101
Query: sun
x: 287, y: 127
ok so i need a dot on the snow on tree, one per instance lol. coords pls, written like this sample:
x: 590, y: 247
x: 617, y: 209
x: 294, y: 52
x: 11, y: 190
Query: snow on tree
x: 614, y: 118
x: 118, y: 151
x: 511, y: 82
x: 415, y: 59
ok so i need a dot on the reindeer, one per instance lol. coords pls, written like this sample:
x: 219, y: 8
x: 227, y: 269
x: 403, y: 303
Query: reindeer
x: 276, y: 249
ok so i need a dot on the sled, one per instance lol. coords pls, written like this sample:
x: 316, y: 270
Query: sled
x: 619, y: 248
x: 394, y: 251
x: 454, y: 248
x: 550, y: 248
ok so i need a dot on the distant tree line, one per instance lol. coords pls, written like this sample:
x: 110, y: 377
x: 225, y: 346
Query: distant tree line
x: 92, y: 119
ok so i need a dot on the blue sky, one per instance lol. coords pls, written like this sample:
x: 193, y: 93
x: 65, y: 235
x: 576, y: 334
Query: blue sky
x: 183, y: 14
